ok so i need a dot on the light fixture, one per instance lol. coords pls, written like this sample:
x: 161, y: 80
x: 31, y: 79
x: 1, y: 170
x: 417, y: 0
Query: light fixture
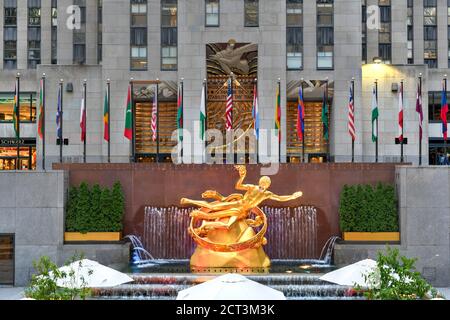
x: 377, y: 60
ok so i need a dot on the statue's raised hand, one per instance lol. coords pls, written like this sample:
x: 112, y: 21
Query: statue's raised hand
x: 242, y: 170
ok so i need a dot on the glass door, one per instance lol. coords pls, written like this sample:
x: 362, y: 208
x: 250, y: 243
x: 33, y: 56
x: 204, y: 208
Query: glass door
x: 7, y: 260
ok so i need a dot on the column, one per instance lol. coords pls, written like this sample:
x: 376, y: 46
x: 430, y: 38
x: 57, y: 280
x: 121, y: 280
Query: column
x: 91, y: 31
x: 22, y: 34
x: 46, y: 31
x: 399, y: 32
x: 442, y: 34
x: 372, y: 35
x: 65, y: 35
x: 418, y: 32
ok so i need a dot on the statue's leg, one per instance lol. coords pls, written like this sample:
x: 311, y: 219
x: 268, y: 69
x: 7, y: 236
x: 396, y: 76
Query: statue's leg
x: 197, y: 203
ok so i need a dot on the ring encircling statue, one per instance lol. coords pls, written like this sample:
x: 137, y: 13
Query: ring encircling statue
x: 230, y: 231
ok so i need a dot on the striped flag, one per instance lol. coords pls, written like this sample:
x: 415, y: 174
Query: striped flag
x: 180, y: 112
x: 278, y: 114
x: 300, y: 115
x: 400, y: 113
x: 374, y: 115
x: 444, y: 111
x: 419, y: 109
x: 351, y: 115
x: 83, y: 117
x: 229, y: 108
x: 16, y: 110
x: 155, y: 116
x: 128, y: 133
x: 255, y: 111
x: 41, y: 110
x: 106, y: 115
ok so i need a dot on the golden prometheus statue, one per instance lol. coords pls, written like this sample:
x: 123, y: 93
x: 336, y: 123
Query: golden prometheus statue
x: 226, y: 230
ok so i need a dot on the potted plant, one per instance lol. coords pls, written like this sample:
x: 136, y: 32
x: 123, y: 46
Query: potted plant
x: 94, y: 214
x: 369, y: 213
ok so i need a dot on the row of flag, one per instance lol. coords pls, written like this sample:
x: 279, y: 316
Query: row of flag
x: 229, y: 109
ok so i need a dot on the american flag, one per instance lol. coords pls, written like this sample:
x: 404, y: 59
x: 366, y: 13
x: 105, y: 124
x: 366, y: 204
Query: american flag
x: 351, y: 115
x: 229, y: 109
x: 155, y: 115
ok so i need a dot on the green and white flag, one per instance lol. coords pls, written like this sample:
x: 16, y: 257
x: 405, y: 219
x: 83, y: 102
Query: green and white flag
x: 203, y: 115
x: 374, y: 116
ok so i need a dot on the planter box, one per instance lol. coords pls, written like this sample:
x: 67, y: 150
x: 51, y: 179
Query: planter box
x: 92, y: 236
x: 372, y: 236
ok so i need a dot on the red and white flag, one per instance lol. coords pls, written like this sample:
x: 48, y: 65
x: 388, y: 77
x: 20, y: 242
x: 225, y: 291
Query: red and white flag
x: 351, y: 115
x: 400, y: 113
x: 83, y: 118
x: 155, y: 116
x: 229, y: 108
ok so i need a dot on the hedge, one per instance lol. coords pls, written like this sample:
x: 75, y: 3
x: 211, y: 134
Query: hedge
x: 95, y: 209
x: 364, y: 208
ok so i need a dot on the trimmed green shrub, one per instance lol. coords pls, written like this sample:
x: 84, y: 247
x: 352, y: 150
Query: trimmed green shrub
x: 95, y: 209
x: 364, y: 208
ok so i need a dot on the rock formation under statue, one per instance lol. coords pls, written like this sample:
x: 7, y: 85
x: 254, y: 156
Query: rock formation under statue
x: 230, y: 231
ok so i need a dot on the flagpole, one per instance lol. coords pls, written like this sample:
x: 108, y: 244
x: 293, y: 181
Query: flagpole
x: 445, y: 141
x: 256, y: 116
x: 205, y: 87
x: 303, y: 133
x: 327, y: 108
x: 182, y: 119
x: 354, y: 108
x: 61, y: 139
x: 18, y: 121
x: 157, y: 120
x: 401, y: 140
x: 43, y: 121
x: 420, y: 125
x: 133, y: 126
x: 85, y: 119
x: 376, y: 122
x: 279, y: 129
x: 108, y: 93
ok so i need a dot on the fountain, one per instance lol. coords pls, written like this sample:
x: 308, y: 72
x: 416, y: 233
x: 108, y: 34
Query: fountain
x: 161, y: 269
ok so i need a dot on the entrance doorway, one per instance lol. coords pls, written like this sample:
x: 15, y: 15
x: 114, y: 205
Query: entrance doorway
x: 153, y: 142
x: 6, y: 260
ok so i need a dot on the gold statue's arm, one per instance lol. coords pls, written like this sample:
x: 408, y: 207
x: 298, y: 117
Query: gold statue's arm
x: 242, y: 173
x: 285, y: 198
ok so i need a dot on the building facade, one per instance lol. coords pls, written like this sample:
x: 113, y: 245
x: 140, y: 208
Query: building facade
x: 318, y: 44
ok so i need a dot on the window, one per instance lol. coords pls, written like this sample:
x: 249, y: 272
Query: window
x: 384, y: 34
x: 410, y: 31
x: 294, y: 34
x: 10, y: 35
x: 8, y: 157
x: 325, y: 34
x: 27, y: 107
x: 251, y: 13
x: 99, y: 31
x: 448, y: 31
x: 434, y: 106
x: 138, y: 35
x: 212, y: 13
x: 79, y: 36
x: 169, y: 34
x: 430, y: 33
x: 54, y: 32
x: 364, y: 31
x: 34, y: 33
x: 6, y: 255
x: 437, y: 151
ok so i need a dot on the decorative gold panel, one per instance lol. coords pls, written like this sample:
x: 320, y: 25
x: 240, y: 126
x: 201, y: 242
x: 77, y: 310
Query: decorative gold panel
x: 314, y: 141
